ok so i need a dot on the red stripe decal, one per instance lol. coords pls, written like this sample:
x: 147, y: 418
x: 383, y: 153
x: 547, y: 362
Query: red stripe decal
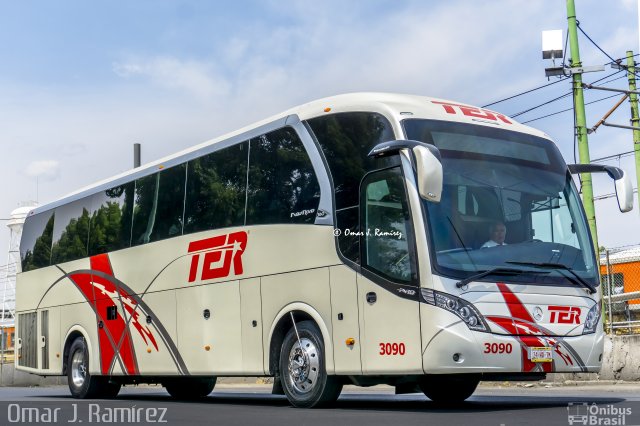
x: 114, y: 336
x: 514, y: 304
x: 522, y: 325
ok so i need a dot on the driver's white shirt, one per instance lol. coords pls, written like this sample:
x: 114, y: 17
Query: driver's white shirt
x: 492, y: 243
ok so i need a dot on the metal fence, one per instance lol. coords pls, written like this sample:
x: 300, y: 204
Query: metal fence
x: 620, y: 279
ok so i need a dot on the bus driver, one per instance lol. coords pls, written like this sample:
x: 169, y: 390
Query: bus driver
x: 497, y: 234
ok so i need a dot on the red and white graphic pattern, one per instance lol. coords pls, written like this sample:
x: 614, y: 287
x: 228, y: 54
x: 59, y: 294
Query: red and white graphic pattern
x: 524, y: 328
x: 102, y: 291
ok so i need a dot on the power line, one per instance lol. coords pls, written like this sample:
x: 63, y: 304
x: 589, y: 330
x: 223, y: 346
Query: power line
x: 525, y: 92
x: 569, y: 109
x: 542, y: 87
x: 593, y: 42
x: 562, y: 96
x: 605, y: 77
x: 541, y: 105
x: 610, y: 81
x: 614, y: 156
x: 617, y: 61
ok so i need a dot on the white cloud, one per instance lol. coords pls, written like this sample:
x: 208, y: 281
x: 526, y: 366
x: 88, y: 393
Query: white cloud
x: 630, y: 5
x: 195, y: 77
x: 43, y: 169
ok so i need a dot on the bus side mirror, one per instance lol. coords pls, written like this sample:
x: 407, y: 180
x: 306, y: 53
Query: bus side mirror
x: 427, y: 163
x: 624, y: 187
x: 428, y: 173
x: 624, y: 192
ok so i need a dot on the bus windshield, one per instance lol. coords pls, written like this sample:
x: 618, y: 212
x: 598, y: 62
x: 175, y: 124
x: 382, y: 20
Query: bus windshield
x: 507, y: 202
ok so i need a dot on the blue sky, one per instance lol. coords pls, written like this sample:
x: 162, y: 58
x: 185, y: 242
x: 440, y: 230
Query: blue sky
x: 80, y: 81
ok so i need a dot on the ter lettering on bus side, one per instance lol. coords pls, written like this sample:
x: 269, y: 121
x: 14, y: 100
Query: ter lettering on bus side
x: 218, y: 254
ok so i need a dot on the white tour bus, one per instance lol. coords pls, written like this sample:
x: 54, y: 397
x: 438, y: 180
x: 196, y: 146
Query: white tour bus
x: 365, y: 238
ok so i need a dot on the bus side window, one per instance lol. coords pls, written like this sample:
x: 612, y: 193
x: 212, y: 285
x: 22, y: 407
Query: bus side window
x: 159, y: 206
x: 35, y: 246
x: 216, y: 189
x: 283, y: 187
x: 71, y: 231
x: 385, y: 225
x: 110, y: 227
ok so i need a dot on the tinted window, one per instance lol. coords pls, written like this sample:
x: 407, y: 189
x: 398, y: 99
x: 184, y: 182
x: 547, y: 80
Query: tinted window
x: 283, y: 187
x: 159, y: 206
x: 71, y: 231
x: 385, y: 226
x: 345, y: 140
x: 35, y: 246
x: 110, y: 227
x: 216, y: 189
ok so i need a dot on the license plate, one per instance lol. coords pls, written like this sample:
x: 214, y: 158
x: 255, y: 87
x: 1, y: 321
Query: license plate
x: 540, y: 355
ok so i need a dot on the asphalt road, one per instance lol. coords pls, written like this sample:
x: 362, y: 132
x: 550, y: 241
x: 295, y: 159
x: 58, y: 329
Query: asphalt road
x: 254, y: 405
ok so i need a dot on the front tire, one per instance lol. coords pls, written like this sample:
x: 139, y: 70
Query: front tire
x: 449, y: 388
x: 190, y: 388
x: 81, y: 383
x: 303, y: 370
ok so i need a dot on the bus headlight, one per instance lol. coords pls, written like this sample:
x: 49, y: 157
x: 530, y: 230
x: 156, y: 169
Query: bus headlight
x: 593, y: 317
x: 460, y: 307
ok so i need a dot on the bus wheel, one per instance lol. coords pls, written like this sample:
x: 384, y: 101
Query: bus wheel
x: 449, y: 388
x: 189, y: 388
x: 82, y: 384
x: 303, y: 369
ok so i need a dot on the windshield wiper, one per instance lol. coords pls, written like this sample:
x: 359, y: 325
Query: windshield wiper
x: 494, y: 271
x: 562, y: 267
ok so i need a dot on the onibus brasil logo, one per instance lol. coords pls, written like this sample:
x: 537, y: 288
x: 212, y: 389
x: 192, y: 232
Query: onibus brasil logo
x: 582, y: 413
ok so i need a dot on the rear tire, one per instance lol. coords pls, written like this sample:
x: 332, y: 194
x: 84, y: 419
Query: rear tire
x: 190, y: 388
x: 449, y: 388
x: 81, y: 383
x: 303, y: 370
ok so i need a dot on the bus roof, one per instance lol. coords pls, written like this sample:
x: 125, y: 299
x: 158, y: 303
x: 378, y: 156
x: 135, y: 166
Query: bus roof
x: 392, y: 105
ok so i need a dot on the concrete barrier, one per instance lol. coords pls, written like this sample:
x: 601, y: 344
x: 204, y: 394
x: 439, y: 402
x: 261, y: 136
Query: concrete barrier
x: 621, y: 360
x: 12, y: 377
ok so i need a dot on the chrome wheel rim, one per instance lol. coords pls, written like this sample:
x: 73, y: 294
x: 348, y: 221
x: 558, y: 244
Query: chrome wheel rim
x: 304, y: 365
x: 78, y: 368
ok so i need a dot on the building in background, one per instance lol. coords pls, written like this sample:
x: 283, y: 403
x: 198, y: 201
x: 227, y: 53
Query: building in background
x: 624, y: 267
x: 621, y: 278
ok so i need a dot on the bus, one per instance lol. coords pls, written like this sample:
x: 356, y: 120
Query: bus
x: 363, y: 239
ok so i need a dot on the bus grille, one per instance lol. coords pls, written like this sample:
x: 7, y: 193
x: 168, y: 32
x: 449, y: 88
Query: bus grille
x: 28, y: 335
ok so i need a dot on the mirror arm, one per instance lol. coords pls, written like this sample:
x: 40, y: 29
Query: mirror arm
x: 386, y: 149
x: 614, y: 173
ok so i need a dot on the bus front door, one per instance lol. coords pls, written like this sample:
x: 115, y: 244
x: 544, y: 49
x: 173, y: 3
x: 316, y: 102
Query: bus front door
x: 388, y: 283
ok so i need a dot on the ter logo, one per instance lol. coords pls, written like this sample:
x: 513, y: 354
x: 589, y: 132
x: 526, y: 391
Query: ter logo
x: 565, y: 314
x: 213, y: 256
x: 469, y: 111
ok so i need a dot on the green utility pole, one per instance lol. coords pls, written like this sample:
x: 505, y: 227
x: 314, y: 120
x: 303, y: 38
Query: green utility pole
x: 581, y: 123
x: 635, y: 117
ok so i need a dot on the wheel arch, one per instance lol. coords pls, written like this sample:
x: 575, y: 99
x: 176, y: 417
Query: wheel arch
x: 72, y: 334
x: 282, y: 324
